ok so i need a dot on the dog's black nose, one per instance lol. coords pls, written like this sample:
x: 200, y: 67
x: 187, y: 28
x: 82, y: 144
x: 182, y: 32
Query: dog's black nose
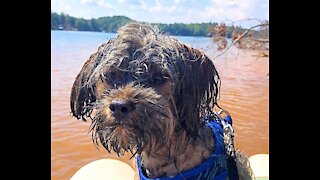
x: 121, y: 106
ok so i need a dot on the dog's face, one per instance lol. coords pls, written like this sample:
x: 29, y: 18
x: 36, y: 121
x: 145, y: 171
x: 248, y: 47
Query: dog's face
x: 141, y: 87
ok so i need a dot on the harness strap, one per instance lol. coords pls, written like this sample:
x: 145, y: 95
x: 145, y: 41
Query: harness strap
x: 222, y: 176
x: 231, y: 154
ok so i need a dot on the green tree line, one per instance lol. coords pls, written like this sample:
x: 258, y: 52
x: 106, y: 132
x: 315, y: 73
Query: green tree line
x: 112, y: 24
x: 103, y: 24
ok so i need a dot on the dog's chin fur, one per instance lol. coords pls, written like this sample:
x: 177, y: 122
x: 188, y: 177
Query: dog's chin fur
x: 178, y: 154
x: 171, y: 88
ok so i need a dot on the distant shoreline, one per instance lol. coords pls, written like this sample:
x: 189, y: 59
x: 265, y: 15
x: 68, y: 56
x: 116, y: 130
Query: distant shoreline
x: 116, y: 33
x: 113, y: 23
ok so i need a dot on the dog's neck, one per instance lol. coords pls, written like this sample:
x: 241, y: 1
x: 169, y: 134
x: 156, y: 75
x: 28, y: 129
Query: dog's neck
x: 180, y: 153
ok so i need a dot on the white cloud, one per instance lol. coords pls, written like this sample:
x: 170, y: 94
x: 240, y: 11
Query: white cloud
x: 86, y: 1
x: 158, y: 7
x: 98, y: 3
x: 228, y: 10
x: 104, y: 4
x: 131, y: 2
x: 181, y: 1
x: 223, y: 3
x: 59, y: 6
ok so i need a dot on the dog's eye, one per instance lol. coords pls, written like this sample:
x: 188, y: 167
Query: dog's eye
x: 111, y: 77
x: 159, y: 79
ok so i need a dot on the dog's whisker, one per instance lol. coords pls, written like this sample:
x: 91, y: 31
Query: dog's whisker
x: 94, y: 139
x: 130, y: 149
x: 154, y: 103
x: 106, y: 146
x: 134, y: 154
x: 92, y: 126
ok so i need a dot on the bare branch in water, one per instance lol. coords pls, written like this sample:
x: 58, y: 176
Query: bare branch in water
x: 249, y: 39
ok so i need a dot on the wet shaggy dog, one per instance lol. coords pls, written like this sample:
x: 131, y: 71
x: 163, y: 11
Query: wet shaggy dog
x: 148, y: 94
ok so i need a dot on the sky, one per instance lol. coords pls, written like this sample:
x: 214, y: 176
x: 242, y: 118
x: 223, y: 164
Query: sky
x: 166, y: 11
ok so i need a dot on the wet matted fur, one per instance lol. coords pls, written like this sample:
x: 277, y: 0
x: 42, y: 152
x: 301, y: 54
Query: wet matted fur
x: 147, y: 93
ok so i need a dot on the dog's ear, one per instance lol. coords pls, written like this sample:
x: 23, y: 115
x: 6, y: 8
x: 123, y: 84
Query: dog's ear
x: 197, y: 90
x: 83, y: 92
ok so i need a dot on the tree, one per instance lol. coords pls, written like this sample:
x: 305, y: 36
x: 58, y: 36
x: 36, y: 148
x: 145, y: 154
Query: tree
x: 62, y: 19
x: 54, y: 20
x: 94, y: 26
x: 82, y: 25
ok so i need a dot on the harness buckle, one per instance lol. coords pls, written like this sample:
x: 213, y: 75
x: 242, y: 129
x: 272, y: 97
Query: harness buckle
x: 228, y: 132
x: 227, y: 121
x: 227, y: 126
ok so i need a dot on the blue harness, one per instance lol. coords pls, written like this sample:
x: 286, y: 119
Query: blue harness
x: 214, y: 168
